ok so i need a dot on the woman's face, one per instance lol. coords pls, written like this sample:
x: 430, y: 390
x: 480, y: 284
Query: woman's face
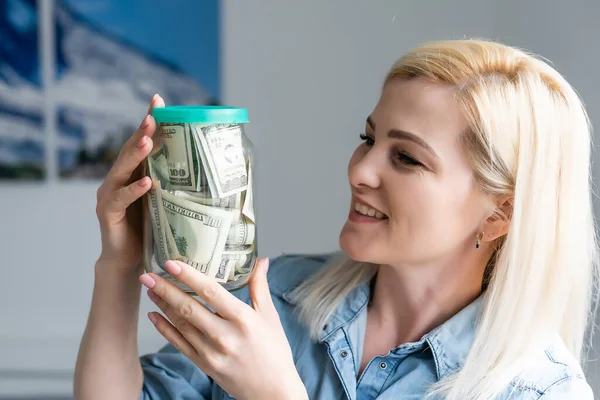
x: 412, y: 178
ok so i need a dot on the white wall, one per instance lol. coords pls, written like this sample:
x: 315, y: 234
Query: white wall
x: 309, y: 72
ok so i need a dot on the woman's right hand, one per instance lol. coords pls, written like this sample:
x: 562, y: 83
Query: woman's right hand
x: 118, y: 211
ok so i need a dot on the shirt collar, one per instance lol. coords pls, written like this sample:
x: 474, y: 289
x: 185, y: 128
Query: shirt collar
x: 348, y: 310
x: 450, y: 342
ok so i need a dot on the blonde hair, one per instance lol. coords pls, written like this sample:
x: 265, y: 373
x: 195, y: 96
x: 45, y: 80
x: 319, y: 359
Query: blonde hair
x: 529, y: 137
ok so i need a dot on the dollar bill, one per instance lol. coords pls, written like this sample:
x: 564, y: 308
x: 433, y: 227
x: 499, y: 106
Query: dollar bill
x: 158, y: 168
x: 222, y: 149
x: 206, y: 181
x: 179, y: 151
x: 231, y: 276
x: 148, y: 236
x: 248, y: 208
x: 226, y: 267
x: 239, y: 261
x: 230, y: 202
x: 199, y: 232
x: 241, y: 233
x: 158, y: 224
x: 240, y: 258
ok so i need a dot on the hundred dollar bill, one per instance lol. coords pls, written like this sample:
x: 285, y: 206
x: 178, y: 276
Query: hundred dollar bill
x: 158, y: 168
x: 199, y: 232
x: 240, y: 258
x: 160, y: 246
x: 231, y: 276
x: 226, y: 267
x: 248, y: 208
x: 206, y: 179
x: 241, y: 233
x: 224, y: 153
x: 148, y: 233
x: 180, y: 152
x: 229, y: 202
x: 158, y: 224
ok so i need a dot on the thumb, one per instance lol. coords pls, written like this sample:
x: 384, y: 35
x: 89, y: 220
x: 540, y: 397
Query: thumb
x: 260, y: 295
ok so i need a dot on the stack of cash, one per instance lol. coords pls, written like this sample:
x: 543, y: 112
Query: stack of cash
x: 200, y: 203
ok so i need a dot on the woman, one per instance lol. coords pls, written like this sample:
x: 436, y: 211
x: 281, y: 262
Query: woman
x: 467, y: 269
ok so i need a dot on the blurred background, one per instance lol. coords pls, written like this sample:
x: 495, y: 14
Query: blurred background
x: 76, y: 77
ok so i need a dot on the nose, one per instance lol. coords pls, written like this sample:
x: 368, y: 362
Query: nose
x: 364, y: 170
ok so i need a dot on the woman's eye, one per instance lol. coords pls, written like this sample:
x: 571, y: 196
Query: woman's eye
x: 408, y: 160
x: 369, y: 141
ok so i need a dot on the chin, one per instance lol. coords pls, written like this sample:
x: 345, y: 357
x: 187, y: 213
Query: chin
x: 355, y: 248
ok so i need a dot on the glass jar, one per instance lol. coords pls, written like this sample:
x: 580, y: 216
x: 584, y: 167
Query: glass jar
x: 200, y: 209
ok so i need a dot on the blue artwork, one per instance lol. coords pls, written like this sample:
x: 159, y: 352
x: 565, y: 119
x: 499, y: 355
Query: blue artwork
x: 22, y: 140
x: 110, y: 57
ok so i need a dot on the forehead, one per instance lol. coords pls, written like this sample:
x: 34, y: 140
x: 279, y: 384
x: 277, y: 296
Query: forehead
x: 422, y: 107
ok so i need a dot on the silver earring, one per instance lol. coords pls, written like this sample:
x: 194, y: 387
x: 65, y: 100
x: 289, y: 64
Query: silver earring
x: 479, y: 237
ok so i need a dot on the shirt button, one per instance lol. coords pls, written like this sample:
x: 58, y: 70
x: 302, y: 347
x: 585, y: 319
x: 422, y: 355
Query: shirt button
x: 343, y: 354
x: 383, y: 365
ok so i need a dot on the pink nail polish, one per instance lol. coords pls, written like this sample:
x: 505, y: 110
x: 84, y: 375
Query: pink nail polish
x: 152, y: 318
x: 147, y: 281
x: 142, y: 142
x: 143, y: 181
x: 145, y: 121
x: 173, y: 267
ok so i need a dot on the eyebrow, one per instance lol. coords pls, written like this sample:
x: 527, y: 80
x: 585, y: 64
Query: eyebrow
x: 404, y: 135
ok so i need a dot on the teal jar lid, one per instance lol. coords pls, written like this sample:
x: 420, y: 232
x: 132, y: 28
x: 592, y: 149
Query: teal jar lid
x: 201, y: 114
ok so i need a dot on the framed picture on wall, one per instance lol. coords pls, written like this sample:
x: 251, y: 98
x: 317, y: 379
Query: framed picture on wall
x: 22, y: 139
x: 108, y: 58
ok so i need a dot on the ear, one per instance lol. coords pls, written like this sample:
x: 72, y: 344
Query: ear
x: 496, y: 225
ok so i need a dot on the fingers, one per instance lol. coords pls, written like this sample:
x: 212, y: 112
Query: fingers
x: 125, y: 196
x: 260, y: 295
x: 175, y: 337
x: 132, y: 154
x: 184, y: 307
x: 135, y: 149
x: 224, y: 303
x: 155, y: 102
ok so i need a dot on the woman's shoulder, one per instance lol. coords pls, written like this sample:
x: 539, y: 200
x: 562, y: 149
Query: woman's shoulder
x: 552, y: 374
x: 288, y: 271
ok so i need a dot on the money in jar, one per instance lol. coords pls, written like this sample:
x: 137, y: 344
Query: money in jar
x: 200, y: 209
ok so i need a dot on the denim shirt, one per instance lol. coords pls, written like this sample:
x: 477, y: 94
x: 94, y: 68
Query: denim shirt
x: 329, y: 366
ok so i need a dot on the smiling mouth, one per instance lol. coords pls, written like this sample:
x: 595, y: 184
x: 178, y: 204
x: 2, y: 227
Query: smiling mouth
x: 368, y: 211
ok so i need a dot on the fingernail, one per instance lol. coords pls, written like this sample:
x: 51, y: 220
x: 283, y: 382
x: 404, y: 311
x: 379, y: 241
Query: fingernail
x: 147, y: 281
x: 142, y: 141
x: 154, y: 97
x: 173, y: 267
x: 143, y: 181
x: 145, y: 121
x: 153, y: 296
x: 152, y: 318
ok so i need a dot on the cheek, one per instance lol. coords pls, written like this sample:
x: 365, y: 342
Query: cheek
x: 425, y: 208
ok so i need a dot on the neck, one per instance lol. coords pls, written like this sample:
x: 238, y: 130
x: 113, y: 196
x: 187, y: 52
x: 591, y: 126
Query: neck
x: 413, y: 300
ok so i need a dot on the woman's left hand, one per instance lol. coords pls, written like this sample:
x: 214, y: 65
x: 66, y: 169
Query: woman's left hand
x: 243, y: 348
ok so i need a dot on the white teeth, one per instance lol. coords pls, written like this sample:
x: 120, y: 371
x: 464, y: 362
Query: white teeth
x: 371, y: 212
